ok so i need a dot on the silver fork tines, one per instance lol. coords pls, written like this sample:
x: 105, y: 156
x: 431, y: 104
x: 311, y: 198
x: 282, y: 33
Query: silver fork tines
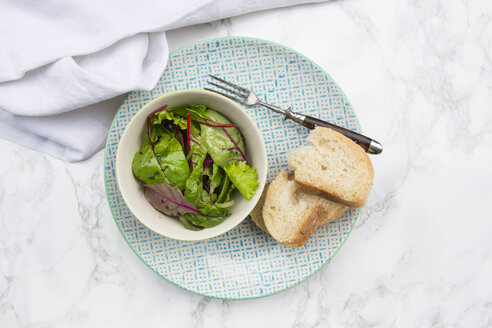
x: 240, y: 94
x: 230, y: 84
x: 226, y: 95
x: 244, y: 96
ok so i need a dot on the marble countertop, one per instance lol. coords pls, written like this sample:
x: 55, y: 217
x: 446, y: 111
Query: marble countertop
x: 419, y: 75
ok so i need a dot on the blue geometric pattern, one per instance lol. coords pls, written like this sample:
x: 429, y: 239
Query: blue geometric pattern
x: 245, y: 262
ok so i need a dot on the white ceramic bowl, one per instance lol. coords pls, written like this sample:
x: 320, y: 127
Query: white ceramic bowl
x: 133, y: 137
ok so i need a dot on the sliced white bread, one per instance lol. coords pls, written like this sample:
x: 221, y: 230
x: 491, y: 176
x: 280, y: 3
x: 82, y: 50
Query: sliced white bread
x: 256, y: 215
x: 291, y: 215
x: 333, y: 166
x: 333, y: 210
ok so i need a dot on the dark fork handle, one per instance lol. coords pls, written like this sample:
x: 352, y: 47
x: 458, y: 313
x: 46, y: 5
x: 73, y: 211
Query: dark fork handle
x: 369, y: 145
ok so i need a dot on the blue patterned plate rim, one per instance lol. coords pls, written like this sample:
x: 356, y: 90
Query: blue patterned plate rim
x: 359, y: 128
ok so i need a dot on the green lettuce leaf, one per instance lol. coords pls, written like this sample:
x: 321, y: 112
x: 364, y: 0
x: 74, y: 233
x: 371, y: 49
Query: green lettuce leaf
x: 226, y: 204
x: 168, y: 114
x: 178, y: 115
x: 197, y: 111
x: 244, y: 177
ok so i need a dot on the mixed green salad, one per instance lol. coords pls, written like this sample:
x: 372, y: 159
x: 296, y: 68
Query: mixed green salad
x: 190, y: 162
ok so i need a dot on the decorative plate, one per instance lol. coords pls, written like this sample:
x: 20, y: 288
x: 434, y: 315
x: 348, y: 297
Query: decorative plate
x: 245, y: 262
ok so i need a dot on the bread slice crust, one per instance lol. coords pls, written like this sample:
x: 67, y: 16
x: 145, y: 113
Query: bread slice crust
x: 308, y: 226
x: 256, y: 215
x: 305, y: 168
x: 308, y: 211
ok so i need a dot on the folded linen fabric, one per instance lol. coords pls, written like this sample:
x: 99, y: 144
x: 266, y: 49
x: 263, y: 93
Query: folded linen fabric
x: 62, y: 63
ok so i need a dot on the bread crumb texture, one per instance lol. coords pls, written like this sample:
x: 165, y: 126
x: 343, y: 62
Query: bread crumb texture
x: 333, y: 166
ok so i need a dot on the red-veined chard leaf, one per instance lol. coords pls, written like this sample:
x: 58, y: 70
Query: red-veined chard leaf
x: 164, y: 162
x: 168, y: 200
x: 224, y: 145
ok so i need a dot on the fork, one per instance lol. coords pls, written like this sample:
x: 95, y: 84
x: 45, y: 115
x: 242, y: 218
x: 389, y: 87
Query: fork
x: 249, y: 98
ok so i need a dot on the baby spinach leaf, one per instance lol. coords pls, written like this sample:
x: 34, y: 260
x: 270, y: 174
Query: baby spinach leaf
x: 145, y: 166
x: 188, y: 225
x: 226, y: 190
x: 151, y: 138
x: 202, y: 221
x: 211, y: 211
x: 212, y: 216
x: 196, y: 149
x: 215, y: 175
x: 206, y: 196
x: 223, y: 144
x: 178, y: 134
x: 194, y: 184
x: 171, y: 157
x: 244, y: 177
x: 168, y: 199
x: 165, y: 163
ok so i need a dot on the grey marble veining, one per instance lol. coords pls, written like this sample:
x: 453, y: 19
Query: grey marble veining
x: 419, y: 75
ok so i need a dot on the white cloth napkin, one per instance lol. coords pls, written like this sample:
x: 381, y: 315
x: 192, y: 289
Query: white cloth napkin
x: 62, y: 63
